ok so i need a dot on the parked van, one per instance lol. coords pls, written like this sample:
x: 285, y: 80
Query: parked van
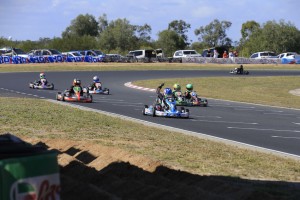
x: 147, y: 53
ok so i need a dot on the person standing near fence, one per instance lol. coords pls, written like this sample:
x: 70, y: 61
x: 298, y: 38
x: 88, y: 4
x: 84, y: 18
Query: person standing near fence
x: 225, y: 55
x: 216, y: 54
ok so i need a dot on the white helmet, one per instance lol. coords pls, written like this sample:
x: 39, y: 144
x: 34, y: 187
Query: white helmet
x: 96, y: 79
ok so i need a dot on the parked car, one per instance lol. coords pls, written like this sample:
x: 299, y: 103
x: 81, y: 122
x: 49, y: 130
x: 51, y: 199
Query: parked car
x: 73, y: 56
x: 44, y: 52
x: 100, y: 55
x: 287, y: 55
x: 113, y: 58
x: 146, y: 53
x: 186, y: 53
x: 263, y: 54
x: 8, y: 51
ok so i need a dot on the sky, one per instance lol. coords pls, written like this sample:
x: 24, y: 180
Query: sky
x: 34, y: 19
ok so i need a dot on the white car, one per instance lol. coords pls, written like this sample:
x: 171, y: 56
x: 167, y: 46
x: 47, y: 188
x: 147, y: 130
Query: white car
x: 263, y: 54
x: 287, y: 55
x: 186, y: 53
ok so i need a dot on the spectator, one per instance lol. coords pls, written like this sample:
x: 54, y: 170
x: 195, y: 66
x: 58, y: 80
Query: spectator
x: 236, y: 54
x: 231, y: 55
x: 225, y: 55
x: 216, y: 54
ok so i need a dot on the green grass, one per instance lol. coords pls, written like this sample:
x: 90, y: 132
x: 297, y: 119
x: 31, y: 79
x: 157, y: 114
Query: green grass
x: 42, y: 119
x: 132, y: 66
x: 262, y: 90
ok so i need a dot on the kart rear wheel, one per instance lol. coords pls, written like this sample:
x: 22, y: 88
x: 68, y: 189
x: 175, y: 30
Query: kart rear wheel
x: 182, y: 109
x: 154, y: 110
x: 52, y: 86
x: 144, y: 109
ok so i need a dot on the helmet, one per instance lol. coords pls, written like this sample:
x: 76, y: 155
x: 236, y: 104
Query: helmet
x: 76, y: 82
x: 96, y: 79
x: 189, y: 87
x: 177, y: 87
x: 42, y: 75
x: 167, y: 92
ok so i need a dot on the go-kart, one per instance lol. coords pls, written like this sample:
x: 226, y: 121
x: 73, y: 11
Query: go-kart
x: 169, y: 110
x: 196, y: 101
x: 77, y: 96
x: 180, y: 99
x: 41, y: 85
x: 193, y: 101
x: 98, y: 90
x: 237, y: 72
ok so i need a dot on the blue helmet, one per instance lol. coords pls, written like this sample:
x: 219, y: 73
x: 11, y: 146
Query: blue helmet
x: 96, y: 79
x: 167, y: 91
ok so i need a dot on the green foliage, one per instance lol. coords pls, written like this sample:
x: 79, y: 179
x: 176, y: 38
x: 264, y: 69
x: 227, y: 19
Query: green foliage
x: 119, y: 34
x: 272, y: 36
x: 181, y: 28
x: 170, y: 41
x: 214, y: 34
x: 82, y: 25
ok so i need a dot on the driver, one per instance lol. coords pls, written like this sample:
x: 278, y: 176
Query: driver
x: 189, y: 90
x: 43, y: 79
x: 162, y: 97
x: 96, y: 83
x: 76, y: 83
x: 240, y: 70
x: 176, y: 90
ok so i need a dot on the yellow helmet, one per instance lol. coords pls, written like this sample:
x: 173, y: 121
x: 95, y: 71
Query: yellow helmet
x: 177, y: 87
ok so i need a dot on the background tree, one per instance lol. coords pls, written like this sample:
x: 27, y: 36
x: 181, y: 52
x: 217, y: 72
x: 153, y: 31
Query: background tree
x: 181, y: 28
x: 248, y: 28
x: 118, y: 36
x: 82, y: 25
x: 214, y: 34
x: 170, y: 41
x: 102, y: 23
x: 272, y: 36
x: 143, y: 35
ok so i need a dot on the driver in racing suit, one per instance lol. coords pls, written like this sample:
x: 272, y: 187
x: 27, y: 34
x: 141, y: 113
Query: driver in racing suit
x: 96, y: 83
x: 76, y: 83
x: 176, y: 90
x: 42, y: 80
x: 162, y: 97
x: 240, y: 70
x: 189, y: 90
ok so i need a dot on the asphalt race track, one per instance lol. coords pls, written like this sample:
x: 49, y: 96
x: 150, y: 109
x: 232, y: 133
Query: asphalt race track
x: 277, y: 129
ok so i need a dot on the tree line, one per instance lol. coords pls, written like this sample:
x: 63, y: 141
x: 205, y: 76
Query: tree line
x: 120, y: 36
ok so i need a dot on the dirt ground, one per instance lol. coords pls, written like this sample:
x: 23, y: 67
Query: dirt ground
x: 91, y: 171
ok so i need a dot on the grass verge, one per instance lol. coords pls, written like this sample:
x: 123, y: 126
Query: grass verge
x: 262, y: 90
x: 133, y: 66
x: 42, y: 119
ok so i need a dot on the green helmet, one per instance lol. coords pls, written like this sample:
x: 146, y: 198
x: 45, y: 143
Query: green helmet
x: 176, y: 87
x: 189, y: 87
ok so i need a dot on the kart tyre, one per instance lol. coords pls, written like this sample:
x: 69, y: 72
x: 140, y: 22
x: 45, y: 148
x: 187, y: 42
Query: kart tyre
x: 144, y: 109
x: 154, y: 110
x: 52, y: 86
x: 187, y: 110
x: 107, y: 91
x: 182, y: 109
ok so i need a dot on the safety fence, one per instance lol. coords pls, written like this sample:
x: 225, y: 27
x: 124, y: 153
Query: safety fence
x: 93, y: 59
